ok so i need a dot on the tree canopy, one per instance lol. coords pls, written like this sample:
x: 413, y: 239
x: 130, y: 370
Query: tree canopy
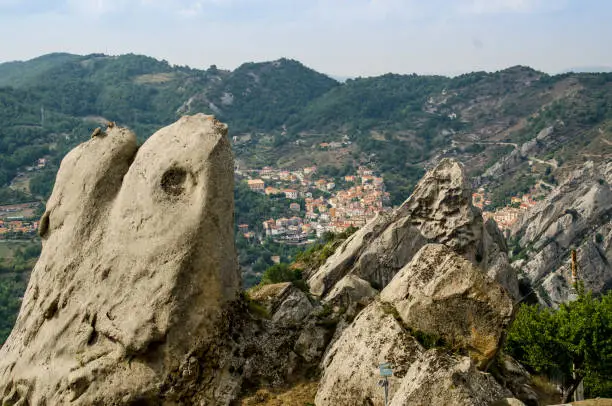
x: 573, y: 343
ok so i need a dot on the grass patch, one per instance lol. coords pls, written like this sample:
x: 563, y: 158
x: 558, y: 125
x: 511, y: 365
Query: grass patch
x: 254, y: 307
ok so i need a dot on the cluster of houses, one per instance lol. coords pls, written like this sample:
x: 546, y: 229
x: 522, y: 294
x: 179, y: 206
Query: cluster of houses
x: 505, y: 217
x: 13, y: 220
x: 336, y: 210
x: 21, y: 227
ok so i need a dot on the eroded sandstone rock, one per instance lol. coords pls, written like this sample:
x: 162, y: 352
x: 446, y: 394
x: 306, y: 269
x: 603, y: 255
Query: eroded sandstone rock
x: 440, y: 379
x: 443, y: 294
x: 440, y: 211
x: 575, y: 215
x: 137, y: 267
x: 350, y: 367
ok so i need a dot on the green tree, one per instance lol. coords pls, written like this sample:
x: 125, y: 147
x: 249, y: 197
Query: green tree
x: 573, y: 342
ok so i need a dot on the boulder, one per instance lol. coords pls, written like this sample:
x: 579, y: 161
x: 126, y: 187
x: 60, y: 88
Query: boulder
x: 128, y: 298
x: 440, y: 379
x: 350, y: 366
x: 443, y: 294
x: 440, y: 211
x: 312, y: 342
x: 513, y: 376
x: 284, y: 302
x: 350, y: 289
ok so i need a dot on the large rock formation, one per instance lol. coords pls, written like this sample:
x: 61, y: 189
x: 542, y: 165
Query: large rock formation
x: 439, y: 294
x: 443, y: 294
x: 440, y: 379
x: 137, y: 266
x: 440, y: 211
x: 575, y: 215
x: 350, y: 367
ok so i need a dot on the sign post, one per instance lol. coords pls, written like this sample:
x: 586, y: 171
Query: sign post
x: 385, y: 371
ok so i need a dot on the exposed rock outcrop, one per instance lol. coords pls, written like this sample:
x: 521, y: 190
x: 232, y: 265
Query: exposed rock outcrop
x: 577, y: 214
x: 351, y: 289
x: 350, y: 367
x: 545, y: 139
x: 137, y: 268
x: 439, y: 294
x: 134, y: 299
x: 440, y: 211
x: 285, y: 303
x: 440, y: 379
x: 443, y: 294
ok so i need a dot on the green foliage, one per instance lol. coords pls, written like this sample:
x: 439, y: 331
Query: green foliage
x: 516, y: 185
x: 41, y: 184
x: 11, y: 289
x: 577, y: 338
x: 266, y: 95
x: 254, y: 307
x: 281, y: 273
x: 16, y: 261
x: 253, y: 208
x: 19, y: 74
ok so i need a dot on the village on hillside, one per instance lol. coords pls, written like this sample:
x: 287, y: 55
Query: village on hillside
x: 16, y: 220
x: 326, y: 206
x: 505, y: 217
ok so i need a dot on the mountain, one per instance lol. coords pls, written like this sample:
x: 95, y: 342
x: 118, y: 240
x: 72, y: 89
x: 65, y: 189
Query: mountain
x: 281, y: 111
x: 19, y: 73
x: 517, y: 131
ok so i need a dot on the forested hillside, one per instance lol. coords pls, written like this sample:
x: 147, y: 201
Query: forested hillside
x: 280, y: 111
x: 516, y: 130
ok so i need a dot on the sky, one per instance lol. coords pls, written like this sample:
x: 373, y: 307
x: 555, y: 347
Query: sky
x: 346, y: 38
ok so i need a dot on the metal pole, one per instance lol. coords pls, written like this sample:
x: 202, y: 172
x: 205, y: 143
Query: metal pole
x: 386, y: 391
x: 574, y: 273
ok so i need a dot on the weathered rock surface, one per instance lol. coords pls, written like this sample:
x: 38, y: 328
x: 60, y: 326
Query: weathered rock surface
x: 439, y: 379
x: 544, y: 141
x: 577, y: 214
x: 442, y: 293
x: 439, y: 210
x: 432, y: 377
x: 350, y: 367
x: 286, y: 304
x: 137, y: 267
x: 350, y: 289
x: 513, y: 376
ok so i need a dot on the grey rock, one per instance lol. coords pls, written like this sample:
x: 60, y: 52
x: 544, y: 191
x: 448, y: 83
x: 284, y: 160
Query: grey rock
x: 439, y: 379
x: 350, y: 289
x: 440, y: 211
x: 136, y: 270
x: 443, y: 294
x: 350, y: 367
x: 575, y: 215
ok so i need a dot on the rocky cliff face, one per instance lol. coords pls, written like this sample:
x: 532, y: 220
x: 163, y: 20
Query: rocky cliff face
x: 439, y: 210
x: 134, y: 300
x: 137, y: 267
x: 576, y: 215
x: 439, y: 296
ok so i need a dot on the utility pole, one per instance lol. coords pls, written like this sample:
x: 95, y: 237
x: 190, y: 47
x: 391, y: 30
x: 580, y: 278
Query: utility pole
x: 574, y: 272
x: 579, y: 392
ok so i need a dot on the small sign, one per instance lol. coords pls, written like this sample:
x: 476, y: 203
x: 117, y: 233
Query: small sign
x: 385, y: 369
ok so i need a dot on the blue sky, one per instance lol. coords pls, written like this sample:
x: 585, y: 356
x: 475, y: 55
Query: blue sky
x: 340, y: 37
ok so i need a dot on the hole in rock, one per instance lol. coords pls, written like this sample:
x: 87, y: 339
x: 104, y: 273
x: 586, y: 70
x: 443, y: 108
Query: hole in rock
x: 172, y: 181
x: 43, y: 228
